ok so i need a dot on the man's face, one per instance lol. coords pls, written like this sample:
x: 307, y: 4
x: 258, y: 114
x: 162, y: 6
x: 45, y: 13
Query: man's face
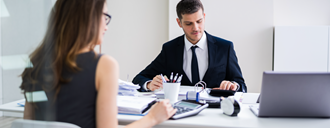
x: 193, y: 25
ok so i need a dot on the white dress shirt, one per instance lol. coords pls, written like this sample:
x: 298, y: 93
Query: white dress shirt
x: 201, y: 54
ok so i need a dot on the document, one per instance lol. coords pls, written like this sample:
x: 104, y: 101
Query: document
x: 22, y: 104
x: 127, y: 88
x: 250, y: 98
x: 182, y: 92
x: 134, y: 105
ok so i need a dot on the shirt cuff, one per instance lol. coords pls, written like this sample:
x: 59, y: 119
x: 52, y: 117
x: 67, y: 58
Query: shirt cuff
x: 145, y: 85
x: 237, y: 85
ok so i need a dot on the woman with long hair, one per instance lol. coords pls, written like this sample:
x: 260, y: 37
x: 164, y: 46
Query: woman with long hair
x: 68, y: 82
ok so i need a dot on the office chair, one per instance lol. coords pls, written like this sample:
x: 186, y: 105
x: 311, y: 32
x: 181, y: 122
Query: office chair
x: 21, y: 123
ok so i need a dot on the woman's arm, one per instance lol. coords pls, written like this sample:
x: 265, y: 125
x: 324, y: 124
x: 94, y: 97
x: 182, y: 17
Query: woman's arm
x: 107, y: 72
x: 158, y: 113
x: 106, y: 105
x: 28, y: 111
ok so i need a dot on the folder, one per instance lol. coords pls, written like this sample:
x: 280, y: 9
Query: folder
x: 134, y: 105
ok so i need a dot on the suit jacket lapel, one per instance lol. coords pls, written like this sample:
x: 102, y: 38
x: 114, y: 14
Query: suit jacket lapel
x: 179, y: 52
x: 212, y: 48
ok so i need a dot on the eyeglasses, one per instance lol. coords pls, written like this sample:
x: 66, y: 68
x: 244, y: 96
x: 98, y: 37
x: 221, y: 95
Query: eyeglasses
x: 107, y: 18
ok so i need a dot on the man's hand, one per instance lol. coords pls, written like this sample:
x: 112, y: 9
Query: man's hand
x: 156, y: 83
x: 227, y: 85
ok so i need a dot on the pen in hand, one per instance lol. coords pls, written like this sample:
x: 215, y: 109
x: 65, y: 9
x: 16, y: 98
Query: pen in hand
x: 166, y: 78
x: 164, y: 81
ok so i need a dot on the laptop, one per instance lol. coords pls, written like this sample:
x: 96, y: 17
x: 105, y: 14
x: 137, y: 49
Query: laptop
x: 285, y: 94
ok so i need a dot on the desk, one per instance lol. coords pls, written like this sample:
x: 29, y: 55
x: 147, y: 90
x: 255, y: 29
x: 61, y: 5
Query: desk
x: 213, y: 118
x: 12, y: 106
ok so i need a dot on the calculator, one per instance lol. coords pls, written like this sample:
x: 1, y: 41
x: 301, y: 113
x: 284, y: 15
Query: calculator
x: 186, y: 108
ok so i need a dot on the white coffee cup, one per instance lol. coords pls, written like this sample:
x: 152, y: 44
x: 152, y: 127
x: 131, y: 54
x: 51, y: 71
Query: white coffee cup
x: 171, y: 91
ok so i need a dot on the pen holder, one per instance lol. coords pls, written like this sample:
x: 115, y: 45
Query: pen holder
x: 171, y: 91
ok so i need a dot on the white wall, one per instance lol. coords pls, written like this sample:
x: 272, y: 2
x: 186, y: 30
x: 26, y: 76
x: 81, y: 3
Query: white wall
x: 136, y: 32
x: 301, y: 12
x: 243, y: 23
x: 139, y: 28
x: 301, y: 48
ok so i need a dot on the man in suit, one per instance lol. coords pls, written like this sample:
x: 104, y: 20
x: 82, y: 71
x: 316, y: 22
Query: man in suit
x: 196, y: 55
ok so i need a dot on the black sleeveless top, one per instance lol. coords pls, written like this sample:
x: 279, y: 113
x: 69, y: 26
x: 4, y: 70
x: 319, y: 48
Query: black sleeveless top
x: 76, y: 100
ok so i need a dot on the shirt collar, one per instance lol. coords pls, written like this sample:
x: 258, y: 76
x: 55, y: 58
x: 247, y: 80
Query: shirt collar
x: 202, y: 43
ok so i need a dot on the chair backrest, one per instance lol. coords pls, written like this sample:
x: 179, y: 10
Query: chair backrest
x: 21, y: 123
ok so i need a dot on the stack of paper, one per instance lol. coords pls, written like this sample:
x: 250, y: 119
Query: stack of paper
x: 250, y: 98
x: 133, y: 105
x: 127, y: 88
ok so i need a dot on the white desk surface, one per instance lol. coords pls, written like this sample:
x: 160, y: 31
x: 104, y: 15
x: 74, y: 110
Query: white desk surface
x: 12, y: 106
x: 213, y: 118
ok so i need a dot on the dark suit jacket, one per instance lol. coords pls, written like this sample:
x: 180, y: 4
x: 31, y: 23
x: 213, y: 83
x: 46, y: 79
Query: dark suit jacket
x: 222, y: 63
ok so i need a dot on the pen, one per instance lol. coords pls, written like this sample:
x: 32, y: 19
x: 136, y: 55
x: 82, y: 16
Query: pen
x: 164, y: 81
x: 176, y: 76
x: 171, y: 77
x: 165, y: 77
x: 179, y: 79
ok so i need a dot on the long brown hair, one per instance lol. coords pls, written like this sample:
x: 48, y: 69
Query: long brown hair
x: 73, y: 25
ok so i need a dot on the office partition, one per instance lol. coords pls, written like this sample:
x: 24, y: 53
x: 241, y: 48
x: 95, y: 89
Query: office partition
x: 21, y: 32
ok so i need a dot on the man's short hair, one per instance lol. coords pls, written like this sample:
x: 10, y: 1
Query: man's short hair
x: 188, y: 7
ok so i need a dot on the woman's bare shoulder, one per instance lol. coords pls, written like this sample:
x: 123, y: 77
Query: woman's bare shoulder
x: 107, y: 61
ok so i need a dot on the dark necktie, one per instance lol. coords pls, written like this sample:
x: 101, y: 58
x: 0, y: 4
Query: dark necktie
x: 194, y: 66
